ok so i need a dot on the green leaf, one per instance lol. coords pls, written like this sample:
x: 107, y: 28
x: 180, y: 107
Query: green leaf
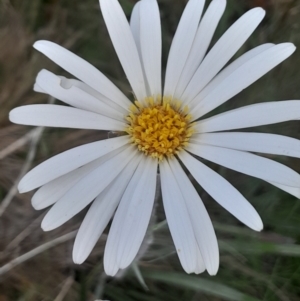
x: 198, y: 284
x: 260, y: 248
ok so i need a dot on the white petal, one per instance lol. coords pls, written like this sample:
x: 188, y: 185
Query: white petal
x: 222, y: 191
x: 228, y: 70
x: 83, y: 71
x: 200, y: 267
x: 253, y: 142
x: 182, y: 43
x: 223, y: 51
x: 101, y: 212
x: 68, y: 83
x: 64, y: 90
x: 178, y: 219
x: 247, y: 163
x: 124, y: 45
x: 132, y: 218
x: 138, y: 207
x: 51, y: 192
x: 68, y: 161
x: 135, y: 25
x: 201, y: 223
x: 295, y: 191
x: 84, y: 87
x: 242, y: 77
x: 151, y: 44
x: 38, y: 89
x: 86, y: 190
x: 201, y: 43
x: 62, y: 116
x: 252, y: 115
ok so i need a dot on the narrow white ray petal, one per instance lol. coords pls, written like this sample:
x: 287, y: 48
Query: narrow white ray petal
x: 83, y: 71
x: 64, y: 90
x: 51, y: 192
x: 81, y: 85
x: 182, y: 43
x: 62, y: 116
x: 253, y: 142
x: 86, y: 190
x: 252, y: 115
x: 139, y: 206
x: 200, y: 267
x: 242, y: 77
x: 38, y: 89
x: 135, y: 25
x: 111, y: 263
x: 222, y: 191
x: 68, y: 161
x: 295, y: 191
x: 247, y: 163
x: 201, y: 43
x: 223, y: 51
x: 201, y: 223
x: 132, y: 217
x: 101, y: 212
x: 151, y: 44
x: 124, y: 45
x: 228, y: 70
x: 178, y: 218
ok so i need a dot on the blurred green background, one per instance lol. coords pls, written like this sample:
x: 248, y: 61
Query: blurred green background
x: 254, y: 266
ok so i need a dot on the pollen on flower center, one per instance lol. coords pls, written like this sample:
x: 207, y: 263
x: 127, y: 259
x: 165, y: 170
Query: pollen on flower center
x: 159, y: 127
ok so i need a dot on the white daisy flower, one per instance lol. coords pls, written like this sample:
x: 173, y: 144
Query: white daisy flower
x: 160, y: 131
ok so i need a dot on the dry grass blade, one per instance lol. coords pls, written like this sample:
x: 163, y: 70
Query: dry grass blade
x: 40, y: 249
x: 20, y: 237
x: 19, y: 143
x: 35, y: 136
x: 29, y: 159
x: 64, y: 290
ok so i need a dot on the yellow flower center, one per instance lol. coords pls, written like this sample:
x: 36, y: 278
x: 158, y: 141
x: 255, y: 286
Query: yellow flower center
x: 158, y: 127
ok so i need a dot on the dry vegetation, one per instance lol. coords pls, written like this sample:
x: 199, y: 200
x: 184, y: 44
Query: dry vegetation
x: 254, y: 266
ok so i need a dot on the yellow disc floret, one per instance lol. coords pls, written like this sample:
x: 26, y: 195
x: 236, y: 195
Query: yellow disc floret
x: 158, y: 127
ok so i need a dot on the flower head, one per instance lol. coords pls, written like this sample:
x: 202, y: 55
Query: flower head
x: 160, y: 130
